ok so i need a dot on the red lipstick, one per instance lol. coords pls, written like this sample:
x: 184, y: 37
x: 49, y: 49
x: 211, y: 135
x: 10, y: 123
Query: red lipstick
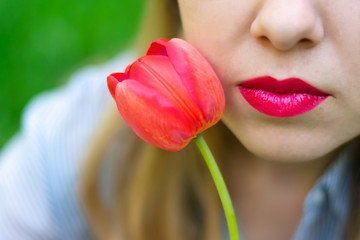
x: 285, y: 98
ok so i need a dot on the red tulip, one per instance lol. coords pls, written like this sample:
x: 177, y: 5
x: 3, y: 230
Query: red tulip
x: 168, y: 96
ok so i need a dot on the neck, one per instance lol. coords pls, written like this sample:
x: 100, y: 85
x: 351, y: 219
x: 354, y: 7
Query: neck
x: 264, y: 190
x: 244, y: 168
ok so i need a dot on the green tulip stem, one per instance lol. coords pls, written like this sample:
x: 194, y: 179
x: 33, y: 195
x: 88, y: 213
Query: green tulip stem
x: 220, y: 185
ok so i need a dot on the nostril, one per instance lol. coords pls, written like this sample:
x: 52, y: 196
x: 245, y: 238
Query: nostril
x: 263, y: 39
x: 306, y: 43
x: 285, y: 46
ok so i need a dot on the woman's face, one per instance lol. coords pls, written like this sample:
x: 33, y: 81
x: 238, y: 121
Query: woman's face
x: 317, y: 41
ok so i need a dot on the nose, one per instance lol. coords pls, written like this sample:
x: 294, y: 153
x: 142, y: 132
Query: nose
x: 286, y: 24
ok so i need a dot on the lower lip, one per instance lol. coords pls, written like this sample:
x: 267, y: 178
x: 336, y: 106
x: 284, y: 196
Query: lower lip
x: 280, y: 105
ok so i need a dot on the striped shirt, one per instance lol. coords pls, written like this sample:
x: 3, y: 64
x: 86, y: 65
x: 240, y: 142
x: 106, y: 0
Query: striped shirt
x: 39, y: 167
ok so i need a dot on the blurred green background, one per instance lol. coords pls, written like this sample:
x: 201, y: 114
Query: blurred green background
x: 43, y: 42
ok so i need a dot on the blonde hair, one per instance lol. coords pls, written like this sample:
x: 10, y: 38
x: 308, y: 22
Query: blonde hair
x: 159, y: 195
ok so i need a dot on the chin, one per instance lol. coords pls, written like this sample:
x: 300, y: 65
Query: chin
x: 284, y: 144
x: 280, y: 150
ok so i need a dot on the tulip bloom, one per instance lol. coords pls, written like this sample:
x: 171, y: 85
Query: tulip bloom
x: 168, y: 96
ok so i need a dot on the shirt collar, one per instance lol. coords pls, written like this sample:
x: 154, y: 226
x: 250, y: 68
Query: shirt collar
x: 334, y: 187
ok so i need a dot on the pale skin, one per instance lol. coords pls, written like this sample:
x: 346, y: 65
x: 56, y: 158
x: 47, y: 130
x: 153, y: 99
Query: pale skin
x: 279, y: 159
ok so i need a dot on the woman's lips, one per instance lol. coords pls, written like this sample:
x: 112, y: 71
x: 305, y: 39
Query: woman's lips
x: 285, y: 98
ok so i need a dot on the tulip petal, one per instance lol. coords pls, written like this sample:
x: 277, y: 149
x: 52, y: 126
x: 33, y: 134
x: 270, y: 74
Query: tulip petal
x: 157, y: 73
x: 198, y: 77
x: 158, y: 47
x: 152, y: 116
x: 113, y: 79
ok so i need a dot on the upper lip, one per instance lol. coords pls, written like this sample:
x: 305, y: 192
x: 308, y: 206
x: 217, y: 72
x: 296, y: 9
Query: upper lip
x: 285, y: 86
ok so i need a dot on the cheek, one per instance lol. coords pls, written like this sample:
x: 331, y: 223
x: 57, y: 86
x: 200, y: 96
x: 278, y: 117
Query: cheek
x: 216, y: 27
